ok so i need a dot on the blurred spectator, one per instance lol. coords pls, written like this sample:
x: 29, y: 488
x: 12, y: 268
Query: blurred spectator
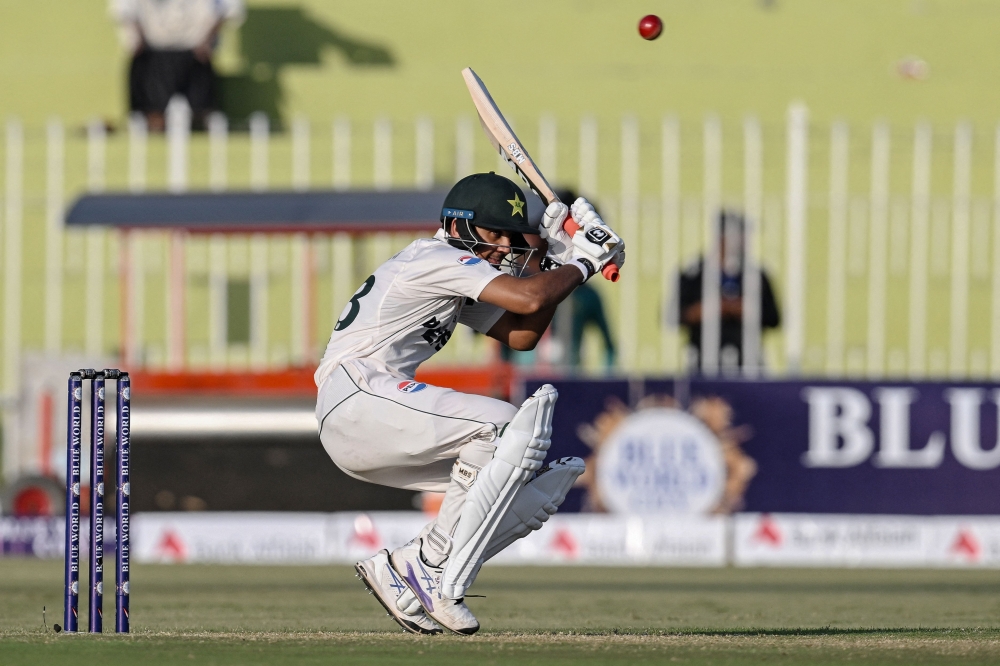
x: 172, y: 42
x: 731, y: 232
x: 588, y: 310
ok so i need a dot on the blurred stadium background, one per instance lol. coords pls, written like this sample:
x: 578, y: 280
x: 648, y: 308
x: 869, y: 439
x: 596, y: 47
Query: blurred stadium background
x: 860, y: 141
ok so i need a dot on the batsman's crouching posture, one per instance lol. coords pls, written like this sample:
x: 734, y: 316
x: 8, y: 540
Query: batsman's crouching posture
x: 380, y: 425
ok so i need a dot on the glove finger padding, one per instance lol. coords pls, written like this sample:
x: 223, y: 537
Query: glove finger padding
x: 580, y: 208
x: 553, y: 217
x: 551, y: 229
x: 589, y: 219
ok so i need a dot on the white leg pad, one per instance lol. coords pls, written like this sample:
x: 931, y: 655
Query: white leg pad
x: 540, y: 498
x: 519, y: 453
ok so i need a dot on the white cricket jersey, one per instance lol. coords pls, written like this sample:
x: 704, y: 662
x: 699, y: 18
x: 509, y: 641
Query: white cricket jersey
x: 406, y: 311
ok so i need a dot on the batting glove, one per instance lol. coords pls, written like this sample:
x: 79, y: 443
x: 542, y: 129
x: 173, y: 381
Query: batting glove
x: 585, y: 215
x: 595, y: 246
x: 551, y: 229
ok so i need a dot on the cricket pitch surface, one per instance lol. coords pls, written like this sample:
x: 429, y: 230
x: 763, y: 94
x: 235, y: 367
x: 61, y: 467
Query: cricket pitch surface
x: 190, y: 614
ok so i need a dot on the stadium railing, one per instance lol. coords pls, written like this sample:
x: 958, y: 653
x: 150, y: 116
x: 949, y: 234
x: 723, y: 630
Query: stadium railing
x: 882, y: 242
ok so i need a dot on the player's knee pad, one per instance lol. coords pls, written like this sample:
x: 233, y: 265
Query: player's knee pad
x: 528, y: 436
x: 540, y: 498
x: 520, y: 451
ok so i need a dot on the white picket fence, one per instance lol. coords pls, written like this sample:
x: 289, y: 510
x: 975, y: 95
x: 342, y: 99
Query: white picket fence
x: 895, y: 273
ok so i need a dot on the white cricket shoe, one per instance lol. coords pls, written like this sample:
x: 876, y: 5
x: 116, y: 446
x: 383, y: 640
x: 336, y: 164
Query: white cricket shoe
x: 425, y: 581
x: 394, y: 595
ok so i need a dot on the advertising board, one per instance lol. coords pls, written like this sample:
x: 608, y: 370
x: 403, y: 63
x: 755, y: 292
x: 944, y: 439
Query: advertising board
x: 831, y: 540
x: 315, y: 538
x: 787, y: 446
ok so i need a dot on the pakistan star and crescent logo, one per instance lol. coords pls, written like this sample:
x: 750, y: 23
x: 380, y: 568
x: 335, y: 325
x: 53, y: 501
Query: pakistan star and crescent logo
x: 517, y: 206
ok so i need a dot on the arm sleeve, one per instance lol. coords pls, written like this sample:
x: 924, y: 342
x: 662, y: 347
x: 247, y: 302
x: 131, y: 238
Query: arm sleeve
x: 480, y: 316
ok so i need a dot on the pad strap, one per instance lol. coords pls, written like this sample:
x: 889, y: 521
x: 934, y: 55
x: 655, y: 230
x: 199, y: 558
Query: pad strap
x: 438, y: 540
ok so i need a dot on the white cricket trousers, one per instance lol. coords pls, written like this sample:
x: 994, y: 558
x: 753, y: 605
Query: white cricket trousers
x: 396, y: 432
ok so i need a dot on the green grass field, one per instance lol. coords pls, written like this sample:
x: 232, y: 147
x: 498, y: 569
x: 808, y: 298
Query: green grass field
x: 306, y: 615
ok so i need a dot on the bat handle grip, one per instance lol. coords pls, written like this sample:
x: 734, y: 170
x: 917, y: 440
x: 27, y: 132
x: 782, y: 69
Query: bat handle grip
x: 610, y: 272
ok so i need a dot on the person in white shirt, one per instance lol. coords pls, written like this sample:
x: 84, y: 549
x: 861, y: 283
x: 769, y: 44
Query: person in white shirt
x: 379, y: 424
x: 171, y: 42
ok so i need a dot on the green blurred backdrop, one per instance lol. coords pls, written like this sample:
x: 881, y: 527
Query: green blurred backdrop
x: 564, y: 56
x: 565, y: 59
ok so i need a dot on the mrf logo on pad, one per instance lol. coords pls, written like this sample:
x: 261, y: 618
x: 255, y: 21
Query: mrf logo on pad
x: 410, y: 386
x: 468, y: 260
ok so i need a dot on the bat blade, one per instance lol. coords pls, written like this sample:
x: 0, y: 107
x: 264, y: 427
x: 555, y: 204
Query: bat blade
x: 504, y: 140
x: 500, y: 134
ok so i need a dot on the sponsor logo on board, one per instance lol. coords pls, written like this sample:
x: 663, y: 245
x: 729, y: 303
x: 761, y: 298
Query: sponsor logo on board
x: 661, y: 461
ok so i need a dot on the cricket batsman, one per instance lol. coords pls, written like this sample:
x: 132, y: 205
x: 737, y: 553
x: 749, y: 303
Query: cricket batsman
x: 380, y: 425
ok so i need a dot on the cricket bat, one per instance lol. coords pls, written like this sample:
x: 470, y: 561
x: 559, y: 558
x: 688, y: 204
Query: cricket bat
x: 504, y: 140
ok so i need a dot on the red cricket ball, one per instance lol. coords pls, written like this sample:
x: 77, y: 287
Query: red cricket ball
x: 650, y: 27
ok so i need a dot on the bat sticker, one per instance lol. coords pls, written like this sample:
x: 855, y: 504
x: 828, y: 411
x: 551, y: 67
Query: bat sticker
x: 515, y: 152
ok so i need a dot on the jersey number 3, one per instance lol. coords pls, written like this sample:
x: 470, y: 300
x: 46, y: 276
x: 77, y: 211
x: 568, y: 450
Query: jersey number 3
x: 350, y: 312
